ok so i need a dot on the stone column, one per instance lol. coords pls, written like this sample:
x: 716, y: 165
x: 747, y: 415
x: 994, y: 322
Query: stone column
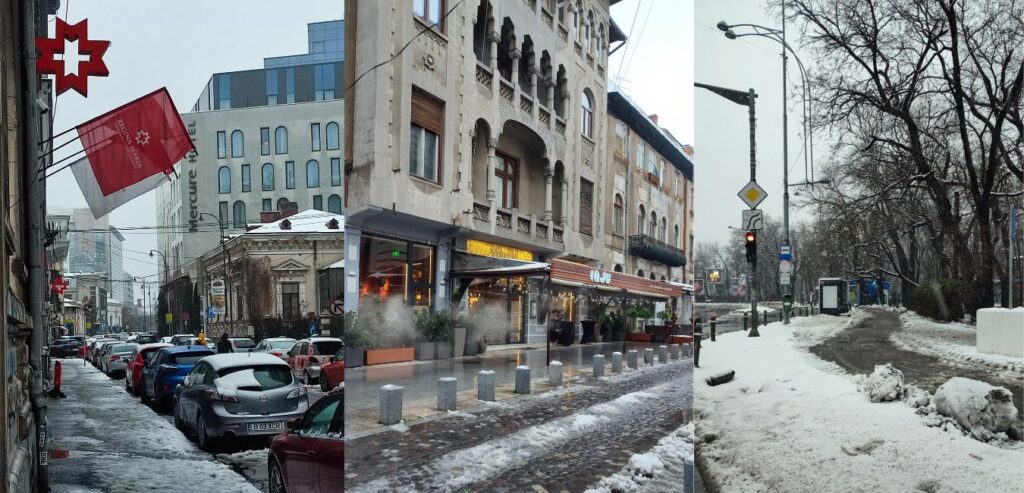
x: 565, y: 202
x: 549, y: 176
x: 494, y: 37
x: 550, y: 81
x: 534, y: 75
x: 492, y: 163
x: 515, y: 54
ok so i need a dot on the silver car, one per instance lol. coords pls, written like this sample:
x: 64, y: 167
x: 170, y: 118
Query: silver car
x: 99, y: 351
x: 238, y: 395
x: 115, y: 361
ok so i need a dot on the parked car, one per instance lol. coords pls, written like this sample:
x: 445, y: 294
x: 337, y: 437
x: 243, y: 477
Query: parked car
x: 177, y: 339
x: 63, y: 348
x: 310, y: 456
x: 91, y: 348
x: 143, y: 338
x: 278, y: 346
x: 308, y: 355
x: 166, y: 370
x: 116, y: 361
x: 238, y: 395
x: 100, y: 351
x: 192, y: 341
x: 332, y: 374
x: 166, y: 339
x: 241, y: 344
x: 136, y: 363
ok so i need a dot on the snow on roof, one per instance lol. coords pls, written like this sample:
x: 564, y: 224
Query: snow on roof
x: 337, y: 265
x: 230, y: 360
x: 307, y: 221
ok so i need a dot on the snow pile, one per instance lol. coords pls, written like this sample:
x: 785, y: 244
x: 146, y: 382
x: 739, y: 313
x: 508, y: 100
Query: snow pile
x: 659, y: 469
x: 882, y: 385
x: 983, y: 410
x: 951, y: 341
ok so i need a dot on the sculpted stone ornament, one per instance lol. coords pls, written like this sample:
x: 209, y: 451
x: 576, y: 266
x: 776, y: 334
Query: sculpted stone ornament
x: 78, y: 79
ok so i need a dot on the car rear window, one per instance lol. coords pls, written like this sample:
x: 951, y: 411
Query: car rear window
x: 326, y: 347
x: 189, y: 358
x: 269, y: 377
x: 281, y: 344
x: 148, y: 356
x: 244, y: 343
x: 127, y: 348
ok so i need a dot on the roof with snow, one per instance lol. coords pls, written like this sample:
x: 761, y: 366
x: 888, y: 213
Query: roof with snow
x: 307, y: 221
x: 622, y: 107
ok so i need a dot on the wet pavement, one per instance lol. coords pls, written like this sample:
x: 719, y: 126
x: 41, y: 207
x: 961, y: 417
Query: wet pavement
x: 566, y: 440
x: 859, y: 348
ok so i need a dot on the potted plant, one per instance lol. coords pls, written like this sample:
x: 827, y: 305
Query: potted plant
x: 471, y: 346
x: 601, y: 317
x: 357, y: 339
x: 641, y: 311
x: 616, y: 324
x: 426, y: 347
x: 441, y: 333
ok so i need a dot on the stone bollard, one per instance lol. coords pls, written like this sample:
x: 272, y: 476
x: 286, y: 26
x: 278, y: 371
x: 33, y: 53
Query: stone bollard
x: 485, y: 385
x: 555, y: 374
x: 648, y: 356
x: 662, y: 354
x: 687, y: 349
x: 446, y: 389
x: 616, y: 362
x: 523, y: 379
x: 673, y: 349
x: 598, y: 365
x: 631, y: 359
x: 390, y: 410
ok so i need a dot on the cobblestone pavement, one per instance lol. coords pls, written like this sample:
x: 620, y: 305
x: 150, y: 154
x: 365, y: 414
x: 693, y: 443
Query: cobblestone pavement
x: 561, y: 442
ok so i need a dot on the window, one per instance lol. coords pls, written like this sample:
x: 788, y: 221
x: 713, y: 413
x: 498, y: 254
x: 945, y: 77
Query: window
x: 425, y: 136
x: 653, y: 277
x: 237, y: 144
x: 224, y: 179
x: 334, y: 204
x: 641, y: 217
x: 222, y: 144
x: 652, y: 161
x: 429, y: 11
x: 618, y: 268
x: 587, y: 119
x: 318, y: 202
x: 223, y: 92
x: 289, y: 85
x: 675, y: 239
x: 272, y: 87
x: 290, y: 300
x: 323, y: 81
x: 335, y: 171
x: 281, y: 140
x: 268, y: 177
x: 640, y: 272
x: 265, y: 141
x: 282, y: 204
x: 246, y: 178
x: 223, y: 210
x: 621, y: 139
x: 586, y: 207
x: 320, y: 423
x: 664, y: 230
x: 267, y: 205
x: 314, y: 136
x: 641, y: 149
x: 239, y: 214
x: 654, y: 225
x: 505, y: 181
x: 289, y: 175
x: 333, y: 136
x: 619, y: 215
x: 312, y: 174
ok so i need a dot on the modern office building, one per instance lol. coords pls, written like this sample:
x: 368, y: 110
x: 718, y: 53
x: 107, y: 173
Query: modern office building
x: 94, y: 247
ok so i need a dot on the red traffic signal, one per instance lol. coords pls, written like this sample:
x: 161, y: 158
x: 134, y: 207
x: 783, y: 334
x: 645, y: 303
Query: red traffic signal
x: 750, y: 237
x: 751, y: 240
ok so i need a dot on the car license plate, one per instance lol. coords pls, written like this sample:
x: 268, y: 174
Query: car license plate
x: 257, y: 427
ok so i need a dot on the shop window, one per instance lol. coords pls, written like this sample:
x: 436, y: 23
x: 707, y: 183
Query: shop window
x: 290, y: 300
x: 392, y: 269
x: 505, y: 177
x: 586, y: 207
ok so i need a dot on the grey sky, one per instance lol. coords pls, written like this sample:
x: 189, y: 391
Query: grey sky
x: 178, y: 44
x: 722, y: 158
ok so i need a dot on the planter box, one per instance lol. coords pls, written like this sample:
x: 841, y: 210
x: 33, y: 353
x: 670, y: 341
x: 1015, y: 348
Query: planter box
x: 444, y: 350
x: 639, y: 337
x: 472, y: 344
x: 459, y: 338
x: 379, y: 356
x: 425, y: 351
x: 354, y: 357
x: 680, y: 339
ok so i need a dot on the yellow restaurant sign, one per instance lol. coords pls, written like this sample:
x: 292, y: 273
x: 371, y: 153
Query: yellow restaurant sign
x: 482, y: 248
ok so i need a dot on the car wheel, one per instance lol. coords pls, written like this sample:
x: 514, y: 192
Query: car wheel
x: 205, y: 441
x: 145, y: 396
x: 276, y: 477
x: 178, y: 423
x: 324, y: 386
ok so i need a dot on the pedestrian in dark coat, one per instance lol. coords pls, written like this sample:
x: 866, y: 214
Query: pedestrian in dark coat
x: 224, y: 345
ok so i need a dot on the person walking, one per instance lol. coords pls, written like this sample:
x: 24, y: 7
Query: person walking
x: 224, y: 345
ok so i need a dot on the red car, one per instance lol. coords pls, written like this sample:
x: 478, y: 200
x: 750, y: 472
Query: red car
x: 310, y: 456
x: 136, y: 363
x: 309, y: 355
x: 333, y: 373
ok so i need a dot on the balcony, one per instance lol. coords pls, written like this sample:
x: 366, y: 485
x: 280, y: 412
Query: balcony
x: 651, y: 248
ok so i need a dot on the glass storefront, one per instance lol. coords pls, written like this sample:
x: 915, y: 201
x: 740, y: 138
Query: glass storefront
x: 396, y: 269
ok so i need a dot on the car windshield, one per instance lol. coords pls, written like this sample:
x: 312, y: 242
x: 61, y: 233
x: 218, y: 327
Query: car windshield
x: 148, y: 356
x: 145, y: 338
x: 125, y: 349
x: 326, y: 347
x: 264, y: 377
x: 281, y: 344
x: 243, y: 343
x: 188, y: 358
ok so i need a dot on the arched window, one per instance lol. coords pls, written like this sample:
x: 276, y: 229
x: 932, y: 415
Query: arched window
x: 281, y: 140
x: 653, y: 277
x: 237, y: 144
x: 675, y: 240
x: 238, y: 215
x: 641, y: 217
x: 281, y: 204
x: 332, y: 136
x: 640, y: 272
x: 587, y: 31
x: 618, y: 268
x: 587, y: 118
x: 619, y: 215
x: 312, y: 174
x: 268, y: 176
x: 653, y: 232
x: 334, y: 204
x: 224, y: 179
x: 664, y: 230
x: 662, y: 278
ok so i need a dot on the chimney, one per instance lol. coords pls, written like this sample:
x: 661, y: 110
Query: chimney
x: 653, y: 117
x: 289, y: 209
x: 269, y: 216
x: 688, y: 150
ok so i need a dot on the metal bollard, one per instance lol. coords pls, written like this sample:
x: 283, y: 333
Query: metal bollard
x: 555, y: 374
x: 598, y: 365
x: 446, y: 389
x: 390, y: 410
x: 616, y: 362
x: 746, y: 320
x: 696, y: 347
x: 523, y: 379
x: 662, y: 354
x: 648, y: 356
x: 714, y: 328
x: 631, y: 359
x: 485, y: 385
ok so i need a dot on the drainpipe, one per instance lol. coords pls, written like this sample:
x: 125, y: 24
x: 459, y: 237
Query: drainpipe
x: 35, y: 226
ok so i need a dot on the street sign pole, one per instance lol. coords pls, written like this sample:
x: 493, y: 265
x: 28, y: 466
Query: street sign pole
x: 1009, y: 264
x: 753, y: 177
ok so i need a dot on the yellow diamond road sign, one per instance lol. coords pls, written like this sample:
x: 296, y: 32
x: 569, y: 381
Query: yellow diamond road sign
x: 752, y: 194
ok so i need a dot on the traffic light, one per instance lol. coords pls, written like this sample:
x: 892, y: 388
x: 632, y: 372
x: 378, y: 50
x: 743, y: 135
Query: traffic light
x: 750, y: 238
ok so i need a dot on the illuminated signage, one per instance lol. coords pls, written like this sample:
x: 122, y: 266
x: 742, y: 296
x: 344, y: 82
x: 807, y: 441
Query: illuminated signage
x: 484, y: 249
x: 600, y: 277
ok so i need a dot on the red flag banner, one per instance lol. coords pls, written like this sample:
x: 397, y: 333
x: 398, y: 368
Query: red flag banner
x: 134, y: 142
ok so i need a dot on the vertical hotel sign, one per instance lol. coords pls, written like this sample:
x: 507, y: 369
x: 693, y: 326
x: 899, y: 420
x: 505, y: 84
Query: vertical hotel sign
x: 193, y: 183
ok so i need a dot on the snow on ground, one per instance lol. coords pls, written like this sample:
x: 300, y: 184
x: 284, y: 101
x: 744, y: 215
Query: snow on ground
x: 130, y: 474
x: 951, y: 341
x: 785, y: 423
x: 980, y: 408
x: 659, y: 469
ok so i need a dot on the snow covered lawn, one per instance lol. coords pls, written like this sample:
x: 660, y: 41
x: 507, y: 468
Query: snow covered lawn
x: 951, y: 341
x: 791, y: 422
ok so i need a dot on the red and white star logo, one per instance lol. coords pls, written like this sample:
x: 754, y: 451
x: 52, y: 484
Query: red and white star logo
x: 142, y: 137
x: 77, y: 79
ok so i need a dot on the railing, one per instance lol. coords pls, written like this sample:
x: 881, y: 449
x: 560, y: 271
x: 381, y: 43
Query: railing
x: 654, y: 249
x: 579, y: 49
x: 545, y: 117
x: 504, y: 219
x: 547, y: 17
x: 542, y: 231
x: 560, y: 126
x: 481, y: 212
x: 483, y: 75
x: 525, y: 103
x: 588, y: 147
x: 506, y: 91
x: 563, y: 33
x: 556, y: 234
x: 523, y: 225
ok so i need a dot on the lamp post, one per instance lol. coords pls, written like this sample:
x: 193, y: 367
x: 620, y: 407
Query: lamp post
x: 746, y: 99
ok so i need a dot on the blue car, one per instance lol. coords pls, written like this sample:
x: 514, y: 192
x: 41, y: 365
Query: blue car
x: 166, y: 370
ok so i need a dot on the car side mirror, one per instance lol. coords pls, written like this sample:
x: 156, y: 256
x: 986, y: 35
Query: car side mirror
x: 293, y: 424
x: 333, y: 360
